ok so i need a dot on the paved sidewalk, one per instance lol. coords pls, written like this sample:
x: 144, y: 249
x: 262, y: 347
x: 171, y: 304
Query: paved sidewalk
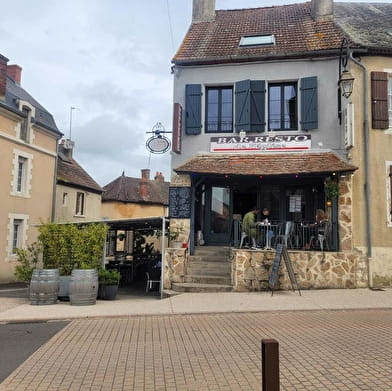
x: 18, y: 309
x: 319, y: 351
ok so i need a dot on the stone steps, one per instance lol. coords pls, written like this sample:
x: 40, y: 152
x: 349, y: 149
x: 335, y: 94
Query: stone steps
x: 196, y: 287
x: 209, y: 258
x: 208, y: 269
x: 208, y: 279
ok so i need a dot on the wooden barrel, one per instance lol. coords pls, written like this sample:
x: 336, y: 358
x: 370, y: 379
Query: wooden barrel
x: 44, y: 286
x: 83, y: 287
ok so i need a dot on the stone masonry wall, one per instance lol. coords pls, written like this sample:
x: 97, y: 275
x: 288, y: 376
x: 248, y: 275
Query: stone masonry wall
x: 176, y: 260
x: 345, y: 213
x: 251, y: 268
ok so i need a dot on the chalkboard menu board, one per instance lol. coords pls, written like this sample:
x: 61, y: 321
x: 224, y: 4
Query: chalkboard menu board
x: 282, y: 250
x: 180, y: 202
x: 273, y: 279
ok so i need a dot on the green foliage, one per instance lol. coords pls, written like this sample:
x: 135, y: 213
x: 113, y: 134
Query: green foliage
x: 108, y: 277
x: 68, y: 246
x: 28, y: 260
x: 331, y: 190
x: 141, y: 247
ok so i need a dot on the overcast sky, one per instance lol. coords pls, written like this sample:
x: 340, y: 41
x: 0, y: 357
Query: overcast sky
x: 111, y: 60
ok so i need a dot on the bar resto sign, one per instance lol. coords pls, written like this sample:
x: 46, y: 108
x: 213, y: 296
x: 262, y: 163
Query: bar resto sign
x: 282, y: 142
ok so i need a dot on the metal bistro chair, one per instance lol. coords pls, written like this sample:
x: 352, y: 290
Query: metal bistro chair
x: 286, y: 237
x: 324, y: 234
x: 150, y: 283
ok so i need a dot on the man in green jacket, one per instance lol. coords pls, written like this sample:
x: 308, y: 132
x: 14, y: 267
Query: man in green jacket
x: 249, y: 224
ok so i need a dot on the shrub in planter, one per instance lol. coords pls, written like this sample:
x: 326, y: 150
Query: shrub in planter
x: 68, y: 246
x: 108, y: 284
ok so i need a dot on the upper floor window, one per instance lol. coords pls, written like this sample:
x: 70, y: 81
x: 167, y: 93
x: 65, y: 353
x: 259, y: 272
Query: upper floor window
x: 21, y: 178
x: 79, y: 204
x: 282, y: 106
x: 24, y: 128
x: 21, y: 174
x: 219, y: 114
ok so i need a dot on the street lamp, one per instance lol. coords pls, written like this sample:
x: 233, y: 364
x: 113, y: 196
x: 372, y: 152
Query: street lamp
x: 346, y: 82
x: 346, y: 79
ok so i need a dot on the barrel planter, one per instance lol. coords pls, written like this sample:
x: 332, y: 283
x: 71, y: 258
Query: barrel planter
x: 44, y: 286
x: 64, y: 288
x: 83, y: 287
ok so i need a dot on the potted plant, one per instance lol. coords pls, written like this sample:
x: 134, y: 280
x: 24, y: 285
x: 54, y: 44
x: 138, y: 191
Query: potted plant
x: 108, y: 284
x: 69, y: 247
x: 174, y: 235
x: 331, y: 190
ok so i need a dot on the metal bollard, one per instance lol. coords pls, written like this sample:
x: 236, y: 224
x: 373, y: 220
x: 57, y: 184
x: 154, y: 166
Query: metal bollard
x: 270, y: 365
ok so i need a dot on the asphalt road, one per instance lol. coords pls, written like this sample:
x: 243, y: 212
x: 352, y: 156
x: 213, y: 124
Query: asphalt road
x: 19, y: 341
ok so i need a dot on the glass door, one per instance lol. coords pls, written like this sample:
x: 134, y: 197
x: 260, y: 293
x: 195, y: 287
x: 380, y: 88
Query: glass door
x: 218, y: 215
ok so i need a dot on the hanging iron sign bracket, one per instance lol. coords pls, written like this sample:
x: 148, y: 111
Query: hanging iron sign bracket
x: 158, y: 143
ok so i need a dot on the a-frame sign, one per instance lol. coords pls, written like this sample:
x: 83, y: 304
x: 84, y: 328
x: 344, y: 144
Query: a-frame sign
x: 281, y: 250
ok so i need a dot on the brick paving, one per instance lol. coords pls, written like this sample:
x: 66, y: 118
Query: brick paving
x: 319, y: 350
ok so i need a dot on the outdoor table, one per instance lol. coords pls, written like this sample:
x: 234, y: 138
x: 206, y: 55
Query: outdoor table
x: 262, y: 230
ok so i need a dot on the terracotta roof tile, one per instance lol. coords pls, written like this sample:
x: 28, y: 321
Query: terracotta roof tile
x: 295, y: 31
x: 127, y: 189
x: 71, y: 173
x: 266, y: 164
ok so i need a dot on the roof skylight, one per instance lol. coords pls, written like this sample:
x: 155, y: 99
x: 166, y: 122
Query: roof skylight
x: 256, y: 40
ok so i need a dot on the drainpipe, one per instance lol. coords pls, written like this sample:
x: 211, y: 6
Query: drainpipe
x: 53, y: 217
x: 366, y: 162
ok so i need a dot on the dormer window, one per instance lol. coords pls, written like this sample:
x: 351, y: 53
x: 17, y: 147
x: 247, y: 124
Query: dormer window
x: 24, y: 131
x: 257, y: 40
x: 24, y: 128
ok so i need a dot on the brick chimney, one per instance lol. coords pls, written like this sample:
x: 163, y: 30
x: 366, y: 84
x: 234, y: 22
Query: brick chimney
x: 143, y: 184
x: 321, y: 9
x: 66, y: 147
x: 203, y: 10
x: 3, y: 76
x: 159, y: 177
x: 15, y: 71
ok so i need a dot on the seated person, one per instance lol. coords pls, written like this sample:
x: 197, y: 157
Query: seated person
x: 249, y: 225
x: 321, y: 219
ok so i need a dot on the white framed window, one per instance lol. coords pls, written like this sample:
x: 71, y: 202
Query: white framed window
x: 389, y: 192
x: 79, y: 211
x: 65, y: 199
x: 17, y: 233
x: 22, y: 174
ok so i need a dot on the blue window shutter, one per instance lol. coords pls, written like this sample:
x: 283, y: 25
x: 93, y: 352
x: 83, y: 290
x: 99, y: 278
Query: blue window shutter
x: 193, y: 108
x: 242, y: 105
x: 257, y: 106
x: 309, y: 110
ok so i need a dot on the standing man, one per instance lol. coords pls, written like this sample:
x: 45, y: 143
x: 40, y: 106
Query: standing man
x: 249, y: 225
x: 269, y: 234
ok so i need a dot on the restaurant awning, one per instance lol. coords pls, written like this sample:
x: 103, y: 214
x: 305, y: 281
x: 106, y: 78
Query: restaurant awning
x: 266, y: 164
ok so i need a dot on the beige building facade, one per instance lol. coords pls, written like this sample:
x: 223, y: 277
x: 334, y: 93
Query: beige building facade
x: 370, y: 148
x: 78, y: 196
x: 28, y: 142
